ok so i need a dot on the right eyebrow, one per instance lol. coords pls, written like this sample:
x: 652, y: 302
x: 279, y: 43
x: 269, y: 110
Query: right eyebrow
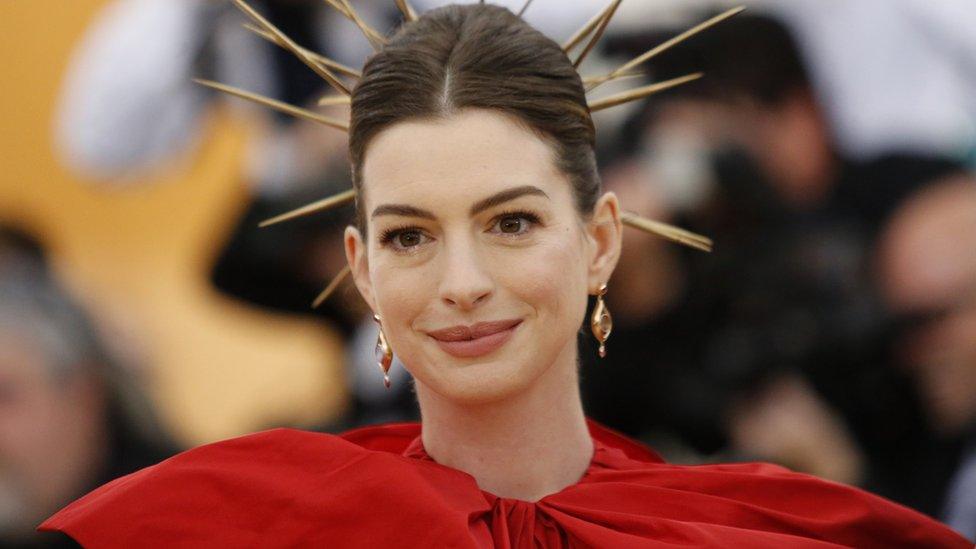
x: 402, y: 210
x: 505, y: 196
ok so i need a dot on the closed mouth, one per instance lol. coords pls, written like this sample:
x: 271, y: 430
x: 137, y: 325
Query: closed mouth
x: 475, y: 331
x: 477, y: 340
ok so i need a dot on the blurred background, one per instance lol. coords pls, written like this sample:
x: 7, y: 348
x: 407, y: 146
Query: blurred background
x: 830, y: 151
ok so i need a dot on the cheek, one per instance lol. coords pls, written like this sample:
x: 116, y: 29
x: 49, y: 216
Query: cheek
x: 401, y: 292
x: 550, y: 277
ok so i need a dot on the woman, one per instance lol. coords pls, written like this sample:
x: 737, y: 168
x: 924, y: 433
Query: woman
x: 481, y: 232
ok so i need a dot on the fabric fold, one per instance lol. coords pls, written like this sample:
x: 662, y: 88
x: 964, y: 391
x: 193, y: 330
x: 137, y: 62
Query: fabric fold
x: 377, y: 487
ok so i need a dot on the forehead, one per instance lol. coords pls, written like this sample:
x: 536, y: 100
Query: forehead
x: 464, y: 156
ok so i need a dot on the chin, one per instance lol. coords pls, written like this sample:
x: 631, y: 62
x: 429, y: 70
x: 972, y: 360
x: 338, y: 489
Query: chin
x: 481, y: 383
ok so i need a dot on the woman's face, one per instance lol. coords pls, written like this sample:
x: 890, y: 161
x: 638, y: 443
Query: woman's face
x: 476, y: 259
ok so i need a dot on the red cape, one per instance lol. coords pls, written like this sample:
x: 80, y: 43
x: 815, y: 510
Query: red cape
x: 376, y: 487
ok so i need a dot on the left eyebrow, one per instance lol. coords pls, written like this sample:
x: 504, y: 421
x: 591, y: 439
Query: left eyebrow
x: 505, y: 196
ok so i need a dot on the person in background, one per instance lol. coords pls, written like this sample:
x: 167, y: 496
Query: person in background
x: 64, y: 427
x: 713, y: 156
x: 894, y: 75
x: 927, y: 264
x: 793, y: 349
x: 817, y: 283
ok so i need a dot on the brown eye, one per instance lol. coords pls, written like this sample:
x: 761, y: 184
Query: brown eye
x: 510, y: 224
x: 404, y: 239
x: 407, y: 239
x: 515, y: 223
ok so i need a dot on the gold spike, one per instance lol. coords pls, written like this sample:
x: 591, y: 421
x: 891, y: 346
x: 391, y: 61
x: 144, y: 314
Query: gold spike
x: 525, y: 6
x: 378, y: 39
x: 669, y: 232
x: 275, y: 104
x: 586, y: 29
x: 314, y: 207
x: 641, y: 92
x: 339, y: 7
x: 666, y: 45
x: 598, y: 33
x: 345, y: 8
x: 329, y: 100
x: 625, y: 76
x: 333, y: 284
x: 407, y: 10
x: 291, y: 46
x: 321, y: 59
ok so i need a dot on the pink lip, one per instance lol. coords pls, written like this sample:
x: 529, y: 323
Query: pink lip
x: 479, y: 339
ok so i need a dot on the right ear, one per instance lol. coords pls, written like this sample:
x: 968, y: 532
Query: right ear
x: 359, y: 265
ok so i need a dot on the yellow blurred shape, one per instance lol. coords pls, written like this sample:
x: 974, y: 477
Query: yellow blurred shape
x: 141, y: 256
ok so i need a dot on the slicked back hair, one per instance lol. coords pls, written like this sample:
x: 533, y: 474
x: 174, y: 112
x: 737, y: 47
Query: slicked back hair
x: 477, y: 56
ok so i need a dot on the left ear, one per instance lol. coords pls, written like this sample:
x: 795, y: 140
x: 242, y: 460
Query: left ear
x: 603, y: 231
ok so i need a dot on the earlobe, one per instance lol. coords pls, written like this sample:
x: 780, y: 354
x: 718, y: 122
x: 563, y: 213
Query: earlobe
x: 605, y: 232
x: 358, y: 264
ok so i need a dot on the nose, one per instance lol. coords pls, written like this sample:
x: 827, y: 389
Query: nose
x: 465, y: 283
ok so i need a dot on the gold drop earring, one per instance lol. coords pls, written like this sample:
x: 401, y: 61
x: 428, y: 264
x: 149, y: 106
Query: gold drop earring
x: 383, y: 353
x: 600, y: 321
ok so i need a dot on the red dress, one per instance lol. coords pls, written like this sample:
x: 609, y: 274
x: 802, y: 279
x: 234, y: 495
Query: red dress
x: 376, y: 487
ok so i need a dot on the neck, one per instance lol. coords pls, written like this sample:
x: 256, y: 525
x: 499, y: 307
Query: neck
x: 524, y: 447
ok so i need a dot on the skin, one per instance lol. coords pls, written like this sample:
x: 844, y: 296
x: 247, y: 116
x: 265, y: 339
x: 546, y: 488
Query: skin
x: 511, y: 418
x: 787, y: 422
x: 791, y: 142
x: 927, y: 263
x: 52, y: 437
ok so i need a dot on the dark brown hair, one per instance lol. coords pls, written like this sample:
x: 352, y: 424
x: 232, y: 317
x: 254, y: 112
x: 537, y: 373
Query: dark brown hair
x: 477, y: 56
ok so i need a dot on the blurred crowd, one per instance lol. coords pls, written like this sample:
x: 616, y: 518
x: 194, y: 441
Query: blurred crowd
x: 830, y: 151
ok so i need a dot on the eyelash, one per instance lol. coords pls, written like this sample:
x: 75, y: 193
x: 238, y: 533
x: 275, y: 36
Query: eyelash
x: 386, y: 238
x: 532, y: 218
x: 391, y: 233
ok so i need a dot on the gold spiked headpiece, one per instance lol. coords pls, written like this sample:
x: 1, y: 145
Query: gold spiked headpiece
x: 330, y: 71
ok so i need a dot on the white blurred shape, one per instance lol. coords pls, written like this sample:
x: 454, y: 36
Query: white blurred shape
x: 894, y: 75
x: 128, y: 101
